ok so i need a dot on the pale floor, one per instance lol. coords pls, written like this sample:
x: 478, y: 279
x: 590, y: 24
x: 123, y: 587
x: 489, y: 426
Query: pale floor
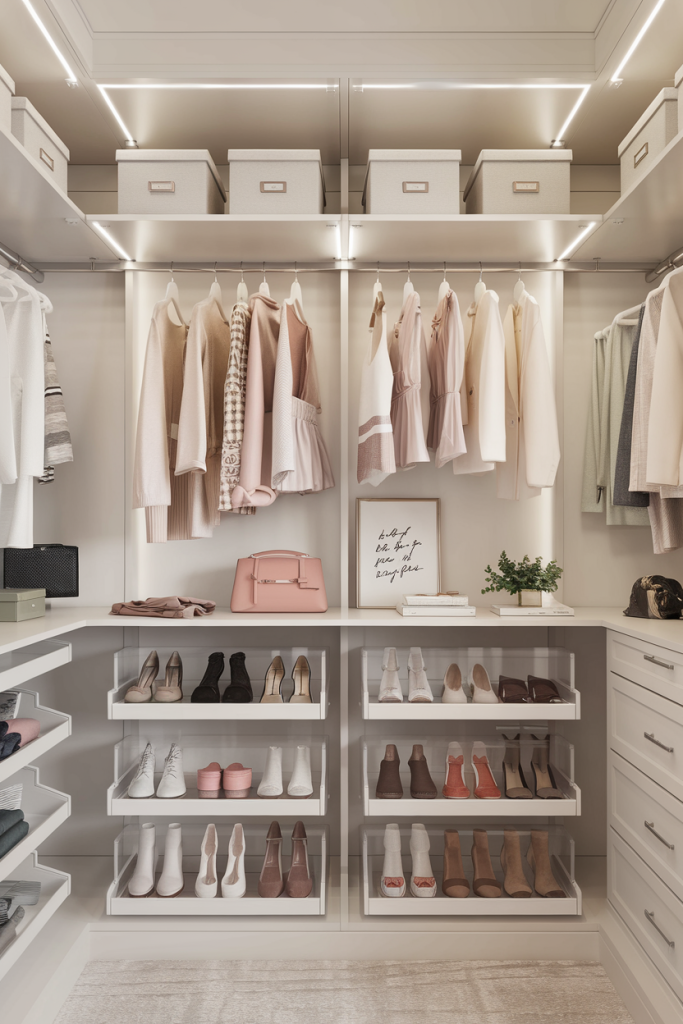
x: 343, y: 992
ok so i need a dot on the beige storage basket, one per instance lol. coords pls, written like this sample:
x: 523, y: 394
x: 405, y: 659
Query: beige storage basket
x: 276, y: 181
x: 6, y: 94
x: 519, y: 181
x: 649, y: 136
x: 168, y: 181
x: 38, y: 139
x: 412, y: 181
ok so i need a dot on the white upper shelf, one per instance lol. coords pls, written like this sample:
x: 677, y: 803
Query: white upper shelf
x: 35, y: 213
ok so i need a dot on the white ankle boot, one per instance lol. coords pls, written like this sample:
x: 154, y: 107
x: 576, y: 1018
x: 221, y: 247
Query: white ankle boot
x: 142, y: 880
x: 422, y: 867
x: 300, y: 783
x: 393, y: 882
x: 206, y: 885
x: 390, y: 688
x: 271, y: 783
x: 143, y: 781
x: 419, y: 690
x: 172, y: 784
x: 171, y: 882
x: 234, y: 884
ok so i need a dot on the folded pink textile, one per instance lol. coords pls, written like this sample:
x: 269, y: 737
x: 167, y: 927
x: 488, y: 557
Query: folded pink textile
x: 28, y: 729
x: 165, y: 607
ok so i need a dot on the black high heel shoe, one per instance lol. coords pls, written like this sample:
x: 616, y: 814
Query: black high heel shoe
x: 207, y: 692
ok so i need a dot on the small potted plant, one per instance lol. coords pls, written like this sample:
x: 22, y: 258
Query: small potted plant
x: 527, y: 579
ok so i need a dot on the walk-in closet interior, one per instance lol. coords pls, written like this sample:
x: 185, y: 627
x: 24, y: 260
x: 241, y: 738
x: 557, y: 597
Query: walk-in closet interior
x: 374, y: 293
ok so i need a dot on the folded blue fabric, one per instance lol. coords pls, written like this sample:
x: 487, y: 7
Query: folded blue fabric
x: 9, y: 818
x: 3, y: 729
x: 13, y: 835
x: 9, y: 744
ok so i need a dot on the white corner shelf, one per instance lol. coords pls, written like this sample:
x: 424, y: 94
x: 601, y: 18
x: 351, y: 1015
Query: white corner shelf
x: 120, y: 903
x: 45, y: 809
x: 205, y: 238
x: 198, y: 751
x: 55, y: 887
x: 562, y: 861
x: 435, y: 749
x: 547, y: 662
x: 26, y: 663
x: 54, y: 728
x: 128, y: 663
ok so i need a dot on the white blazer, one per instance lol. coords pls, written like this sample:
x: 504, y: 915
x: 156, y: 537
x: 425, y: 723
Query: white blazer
x: 665, y: 427
x: 531, y: 432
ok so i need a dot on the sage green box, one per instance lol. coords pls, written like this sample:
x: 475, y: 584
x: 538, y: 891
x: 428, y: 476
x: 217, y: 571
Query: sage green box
x: 17, y: 604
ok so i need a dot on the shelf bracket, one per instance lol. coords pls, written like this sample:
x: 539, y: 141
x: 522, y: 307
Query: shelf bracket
x: 17, y: 263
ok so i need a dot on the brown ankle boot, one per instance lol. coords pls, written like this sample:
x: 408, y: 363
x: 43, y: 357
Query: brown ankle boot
x: 389, y: 785
x: 454, y: 882
x: 515, y: 883
x: 421, y: 783
x: 538, y: 857
x: 485, y: 882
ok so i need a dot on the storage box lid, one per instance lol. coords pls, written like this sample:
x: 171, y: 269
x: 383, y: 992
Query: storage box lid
x: 151, y: 156
x: 665, y: 96
x: 9, y: 82
x: 273, y: 154
x: 678, y: 77
x: 12, y: 595
x: 516, y: 155
x: 21, y: 103
x: 414, y: 154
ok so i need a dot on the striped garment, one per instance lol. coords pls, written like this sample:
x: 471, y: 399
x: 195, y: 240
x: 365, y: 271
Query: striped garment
x: 58, y: 447
x: 233, y: 423
x: 376, y: 459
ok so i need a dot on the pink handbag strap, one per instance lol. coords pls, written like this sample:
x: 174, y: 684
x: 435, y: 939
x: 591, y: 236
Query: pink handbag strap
x: 301, y: 579
x: 281, y: 551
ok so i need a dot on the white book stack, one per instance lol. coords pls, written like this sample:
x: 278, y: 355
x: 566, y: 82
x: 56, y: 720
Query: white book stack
x: 436, y: 605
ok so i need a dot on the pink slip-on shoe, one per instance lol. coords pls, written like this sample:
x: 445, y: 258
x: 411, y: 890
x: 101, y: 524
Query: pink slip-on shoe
x: 236, y: 781
x: 209, y: 780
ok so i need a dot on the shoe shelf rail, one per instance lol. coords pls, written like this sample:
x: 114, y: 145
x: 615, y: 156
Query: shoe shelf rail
x: 26, y: 663
x: 45, y: 809
x: 556, y: 664
x: 54, y: 728
x: 198, y: 751
x: 561, y: 849
x: 128, y: 663
x: 120, y: 903
x: 561, y: 761
x: 55, y: 887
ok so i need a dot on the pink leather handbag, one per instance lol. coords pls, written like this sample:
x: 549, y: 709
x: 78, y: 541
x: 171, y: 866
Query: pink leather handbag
x: 279, y: 581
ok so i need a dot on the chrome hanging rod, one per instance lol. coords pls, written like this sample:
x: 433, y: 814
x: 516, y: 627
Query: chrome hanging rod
x: 330, y: 266
x: 672, y: 261
x: 16, y: 262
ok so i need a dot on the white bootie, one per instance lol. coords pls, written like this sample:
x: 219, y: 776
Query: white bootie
x: 482, y: 691
x: 422, y: 881
x: 419, y: 690
x: 172, y: 784
x: 300, y: 783
x: 171, y: 882
x: 206, y: 885
x: 393, y: 882
x: 234, y: 882
x: 390, y: 688
x: 271, y: 783
x: 142, y: 880
x: 143, y: 781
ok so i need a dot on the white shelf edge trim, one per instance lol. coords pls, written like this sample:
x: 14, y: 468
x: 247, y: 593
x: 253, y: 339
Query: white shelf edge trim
x: 56, y: 886
x: 16, y: 668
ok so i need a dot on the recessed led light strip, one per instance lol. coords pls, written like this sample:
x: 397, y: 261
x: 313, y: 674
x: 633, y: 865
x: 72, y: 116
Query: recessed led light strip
x: 579, y: 238
x: 72, y: 80
x: 220, y: 85
x: 112, y: 241
x: 616, y: 77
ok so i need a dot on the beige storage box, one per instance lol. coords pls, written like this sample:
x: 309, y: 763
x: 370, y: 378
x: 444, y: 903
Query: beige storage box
x: 519, y: 181
x: 6, y: 94
x: 678, y: 83
x: 649, y: 136
x: 38, y: 139
x: 412, y: 181
x: 17, y: 605
x: 169, y: 181
x: 276, y: 181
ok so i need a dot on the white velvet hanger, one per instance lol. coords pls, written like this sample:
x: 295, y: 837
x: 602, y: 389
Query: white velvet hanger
x: 263, y: 287
x: 5, y: 283
x: 377, y: 286
x: 519, y: 286
x: 173, y: 295
x: 215, y: 289
x: 479, y: 288
x: 629, y: 317
x: 295, y: 291
x: 242, y: 290
x: 408, y: 287
x: 444, y: 287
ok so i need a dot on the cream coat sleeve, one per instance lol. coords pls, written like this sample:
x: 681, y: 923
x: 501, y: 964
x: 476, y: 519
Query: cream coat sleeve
x: 492, y: 383
x: 191, y: 452
x: 665, y: 424
x: 540, y: 436
x: 8, y: 455
x: 151, y: 473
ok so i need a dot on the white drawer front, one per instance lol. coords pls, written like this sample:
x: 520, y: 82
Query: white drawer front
x: 648, y: 731
x: 649, y: 819
x: 656, y: 667
x: 651, y: 911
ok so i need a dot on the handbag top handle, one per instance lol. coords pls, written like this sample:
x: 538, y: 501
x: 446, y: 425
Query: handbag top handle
x: 281, y: 551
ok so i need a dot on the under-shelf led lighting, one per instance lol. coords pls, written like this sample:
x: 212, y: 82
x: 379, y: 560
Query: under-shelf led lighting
x: 119, y: 119
x: 579, y: 238
x: 558, y: 143
x: 616, y: 77
x: 112, y: 241
x: 219, y: 85
x: 71, y: 79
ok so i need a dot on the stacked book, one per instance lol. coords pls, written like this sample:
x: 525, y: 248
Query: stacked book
x: 431, y: 605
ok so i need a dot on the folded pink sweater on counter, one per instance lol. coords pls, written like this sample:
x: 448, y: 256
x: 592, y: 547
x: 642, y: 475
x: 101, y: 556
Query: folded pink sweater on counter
x: 165, y: 607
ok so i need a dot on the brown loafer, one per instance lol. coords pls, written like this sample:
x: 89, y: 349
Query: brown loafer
x: 512, y: 691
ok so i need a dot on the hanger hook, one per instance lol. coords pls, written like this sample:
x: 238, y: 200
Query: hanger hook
x: 409, y: 270
x: 215, y: 277
x: 242, y: 270
x: 296, y: 276
x: 171, y: 269
x: 264, y: 270
x: 480, y: 270
x: 597, y: 263
x: 444, y: 270
x: 519, y: 276
x: 377, y: 271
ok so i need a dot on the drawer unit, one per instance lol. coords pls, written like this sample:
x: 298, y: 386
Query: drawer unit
x: 169, y: 181
x: 519, y: 181
x: 649, y: 665
x: 647, y: 730
x: 412, y: 181
x: 276, y: 181
x: 38, y: 139
x: 649, y: 908
x: 6, y: 94
x: 649, y: 819
x: 649, y: 136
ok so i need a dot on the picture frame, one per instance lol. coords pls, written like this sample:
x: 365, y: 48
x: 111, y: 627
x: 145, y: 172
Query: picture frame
x: 389, y: 534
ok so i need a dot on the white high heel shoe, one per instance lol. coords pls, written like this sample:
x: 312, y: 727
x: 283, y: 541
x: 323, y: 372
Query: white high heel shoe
x: 171, y: 883
x: 142, y: 880
x: 234, y: 883
x: 419, y: 690
x: 271, y: 783
x: 172, y: 783
x: 390, y: 688
x: 453, y: 692
x: 301, y: 784
x: 422, y: 880
x: 393, y: 882
x: 206, y: 885
x: 482, y: 691
x: 143, y: 781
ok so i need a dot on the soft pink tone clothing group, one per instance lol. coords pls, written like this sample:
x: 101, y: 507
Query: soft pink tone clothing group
x: 165, y: 608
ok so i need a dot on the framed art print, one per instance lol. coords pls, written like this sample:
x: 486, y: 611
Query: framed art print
x: 398, y: 549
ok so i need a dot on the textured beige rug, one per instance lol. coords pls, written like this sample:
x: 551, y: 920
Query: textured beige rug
x: 343, y: 992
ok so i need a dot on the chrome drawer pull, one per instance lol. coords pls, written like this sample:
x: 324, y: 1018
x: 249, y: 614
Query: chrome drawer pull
x: 650, y: 915
x: 656, y: 661
x: 658, y: 743
x: 650, y: 826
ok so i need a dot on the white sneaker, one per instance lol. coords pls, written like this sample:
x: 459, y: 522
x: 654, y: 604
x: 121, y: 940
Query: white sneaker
x: 482, y: 691
x: 422, y: 867
x: 301, y: 784
x: 172, y: 784
x: 142, y: 880
x: 206, y: 885
x: 390, y: 688
x: 143, y: 781
x: 419, y: 690
x: 172, y: 882
x: 393, y: 881
x: 234, y: 884
x: 271, y: 783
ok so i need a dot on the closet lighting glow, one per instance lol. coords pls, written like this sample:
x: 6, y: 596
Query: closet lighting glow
x: 559, y: 141
x: 112, y: 241
x: 579, y: 238
x: 62, y: 60
x: 219, y: 85
x: 616, y: 77
x: 115, y: 112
